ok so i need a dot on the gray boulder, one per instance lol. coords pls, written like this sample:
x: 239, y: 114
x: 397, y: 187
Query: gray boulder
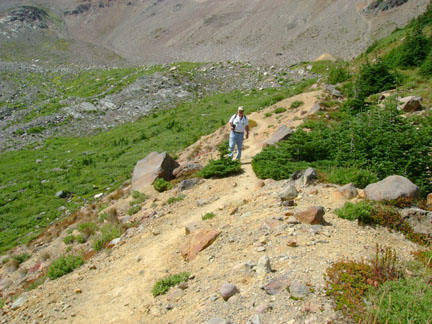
x: 153, y: 166
x: 188, y: 183
x: 391, y: 188
x: 349, y: 191
x: 310, y: 176
x: 281, y: 134
x: 288, y: 193
x: 316, y: 108
x: 419, y: 219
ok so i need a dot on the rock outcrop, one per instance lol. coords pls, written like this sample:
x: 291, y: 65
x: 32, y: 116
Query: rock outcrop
x: 391, y: 188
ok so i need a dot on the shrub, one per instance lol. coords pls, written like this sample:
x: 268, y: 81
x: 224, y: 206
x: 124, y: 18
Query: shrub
x: 268, y: 114
x: 361, y: 211
x: 404, y: 301
x: 162, y: 185
x: 69, y: 239
x: 172, y: 200
x: 337, y: 74
x: 80, y: 238
x: 279, y: 110
x: 163, y: 285
x: 109, y: 232
x: 425, y: 257
x: 374, y: 78
x: 64, y: 265
x: 220, y: 168
x: 252, y: 123
x: 296, y: 104
x: 20, y: 258
x: 349, y: 282
x: 412, y: 52
x: 87, y: 229
x: 358, y: 177
x: 426, y: 67
x: 135, y: 209
x: 208, y: 216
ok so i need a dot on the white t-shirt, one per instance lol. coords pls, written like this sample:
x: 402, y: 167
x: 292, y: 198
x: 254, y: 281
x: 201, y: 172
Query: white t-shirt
x: 240, y: 123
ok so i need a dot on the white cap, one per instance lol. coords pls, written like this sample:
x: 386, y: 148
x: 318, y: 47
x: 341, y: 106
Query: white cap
x: 241, y: 108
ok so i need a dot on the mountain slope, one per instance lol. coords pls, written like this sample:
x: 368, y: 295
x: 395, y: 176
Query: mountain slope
x: 209, y: 30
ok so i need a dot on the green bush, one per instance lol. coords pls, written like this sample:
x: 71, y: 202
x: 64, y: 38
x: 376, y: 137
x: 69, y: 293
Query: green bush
x: 69, y: 239
x: 361, y: 211
x: 162, y: 185
x: 64, y: 265
x: 20, y: 258
x: 220, y: 168
x: 109, y: 232
x: 208, y: 216
x: 403, y: 301
x: 337, y: 74
x: 374, y: 78
x: 135, y: 209
x: 268, y: 114
x: 358, y: 177
x: 163, y: 285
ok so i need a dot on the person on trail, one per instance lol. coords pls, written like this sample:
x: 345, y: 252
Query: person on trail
x: 239, y: 124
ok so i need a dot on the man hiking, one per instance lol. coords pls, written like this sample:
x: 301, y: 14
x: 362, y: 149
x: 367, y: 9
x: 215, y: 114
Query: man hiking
x: 238, y: 124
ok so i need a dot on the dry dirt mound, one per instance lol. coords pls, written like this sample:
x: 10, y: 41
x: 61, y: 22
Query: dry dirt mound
x: 115, y: 285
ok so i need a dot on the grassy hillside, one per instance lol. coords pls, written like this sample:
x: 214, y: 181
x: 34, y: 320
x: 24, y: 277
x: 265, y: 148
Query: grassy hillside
x: 83, y: 167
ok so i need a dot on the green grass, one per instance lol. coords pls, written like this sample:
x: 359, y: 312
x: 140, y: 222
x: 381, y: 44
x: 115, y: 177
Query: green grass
x: 163, y: 285
x: 109, y: 232
x: 133, y: 210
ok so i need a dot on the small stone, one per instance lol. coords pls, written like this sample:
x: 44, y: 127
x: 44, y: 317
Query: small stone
x: 217, y: 321
x: 298, y: 290
x: 155, y: 232
x: 254, y: 320
x: 263, y: 308
x: 78, y: 291
x: 139, y: 258
x: 19, y: 302
x: 228, y: 290
x: 276, y: 285
x: 292, y: 243
x: 263, y: 266
x: 261, y: 249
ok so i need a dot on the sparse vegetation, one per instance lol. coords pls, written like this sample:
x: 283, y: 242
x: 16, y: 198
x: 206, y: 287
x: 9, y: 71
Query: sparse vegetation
x: 133, y: 210
x: 69, y: 239
x: 296, y: 104
x: 20, y: 258
x: 172, y: 200
x: 163, y: 285
x: 64, y: 265
x: 208, y: 216
x: 109, y: 231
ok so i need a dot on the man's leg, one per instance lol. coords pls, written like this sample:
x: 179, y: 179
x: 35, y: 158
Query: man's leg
x: 239, y: 145
x: 232, y: 142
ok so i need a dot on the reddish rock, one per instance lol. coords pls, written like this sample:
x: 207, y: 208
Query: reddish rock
x: 429, y: 199
x: 259, y: 185
x: 313, y: 215
x: 197, y: 242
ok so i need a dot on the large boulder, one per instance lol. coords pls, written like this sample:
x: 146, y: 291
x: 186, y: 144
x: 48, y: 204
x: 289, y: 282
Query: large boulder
x: 153, y: 166
x: 281, y: 134
x: 419, y: 219
x: 391, y: 188
x: 410, y: 103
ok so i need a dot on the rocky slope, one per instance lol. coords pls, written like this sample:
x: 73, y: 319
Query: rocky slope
x: 149, y: 31
x: 261, y: 250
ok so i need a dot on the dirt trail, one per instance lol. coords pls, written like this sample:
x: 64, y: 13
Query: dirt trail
x: 115, y: 286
